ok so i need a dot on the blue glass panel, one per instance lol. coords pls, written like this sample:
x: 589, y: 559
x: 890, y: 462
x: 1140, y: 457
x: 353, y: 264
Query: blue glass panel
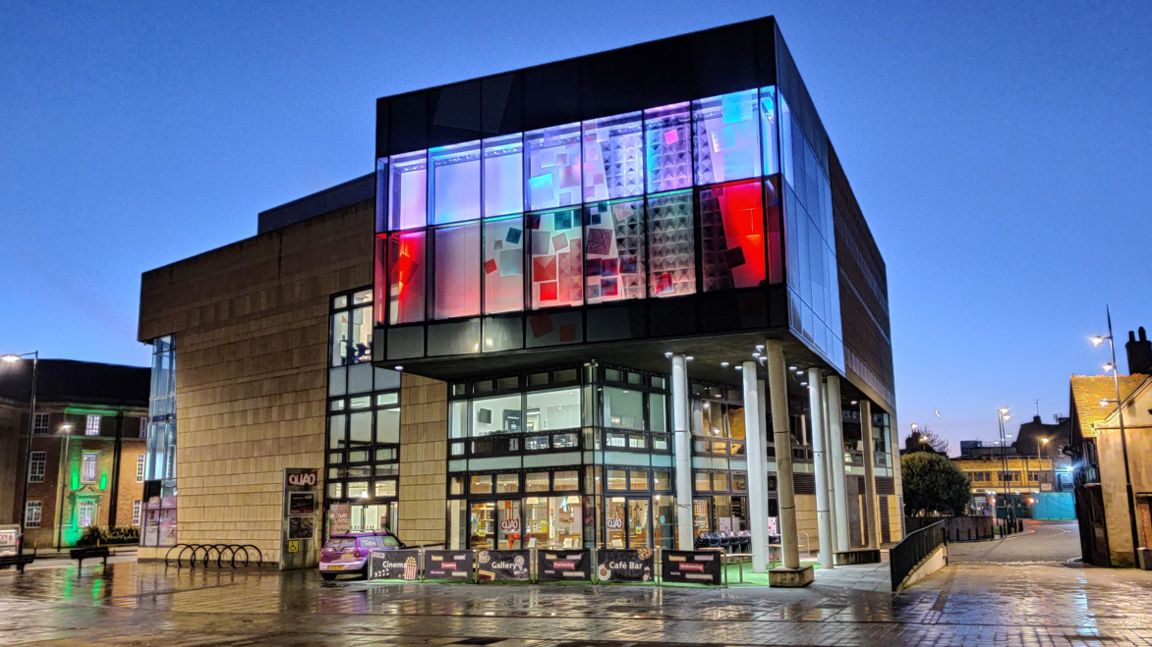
x: 455, y: 182
x: 504, y: 175
x: 408, y: 206
x: 613, y: 157
x: 553, y: 166
x: 727, y: 133
x: 769, y: 130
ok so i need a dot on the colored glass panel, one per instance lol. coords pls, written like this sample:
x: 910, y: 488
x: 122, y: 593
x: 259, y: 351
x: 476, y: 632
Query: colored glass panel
x: 769, y: 131
x: 381, y: 194
x: 614, y: 251
x: 504, y: 265
x: 555, y: 243
x: 455, y: 183
x: 456, y: 271
x: 668, y: 147
x: 406, y: 277
x: 503, y: 175
x: 727, y: 133
x: 671, y: 246
x: 408, y: 186
x: 553, y: 167
x: 732, y: 236
x: 613, y: 157
x: 775, y: 231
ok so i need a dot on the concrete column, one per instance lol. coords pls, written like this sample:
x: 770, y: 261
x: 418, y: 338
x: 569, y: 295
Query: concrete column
x: 755, y: 444
x: 870, y: 500
x: 836, y: 449
x: 820, y: 462
x: 829, y: 456
x: 778, y: 392
x: 683, y: 449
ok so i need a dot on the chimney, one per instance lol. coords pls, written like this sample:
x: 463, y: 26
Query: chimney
x: 1139, y: 353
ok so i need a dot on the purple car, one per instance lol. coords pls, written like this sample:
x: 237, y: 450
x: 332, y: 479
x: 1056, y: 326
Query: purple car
x: 348, y: 553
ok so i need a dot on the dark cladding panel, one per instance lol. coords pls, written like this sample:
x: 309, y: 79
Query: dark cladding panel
x: 624, y: 322
x: 724, y: 60
x: 552, y: 94
x: 407, y: 122
x: 502, y: 104
x: 765, y: 52
x: 639, y: 77
x: 454, y: 113
x: 382, y: 147
x: 673, y: 317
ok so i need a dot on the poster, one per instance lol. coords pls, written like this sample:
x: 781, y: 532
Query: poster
x: 691, y: 567
x: 301, y: 527
x: 561, y: 565
x: 625, y: 565
x: 394, y: 565
x: 301, y: 503
x: 339, y: 519
x: 773, y: 527
x: 503, y: 566
x: 448, y: 565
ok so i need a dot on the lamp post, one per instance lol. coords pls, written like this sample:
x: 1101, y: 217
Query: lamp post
x: 11, y: 359
x: 1002, y: 416
x: 1111, y: 366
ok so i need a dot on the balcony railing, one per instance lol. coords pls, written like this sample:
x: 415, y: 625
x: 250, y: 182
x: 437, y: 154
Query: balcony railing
x: 561, y: 440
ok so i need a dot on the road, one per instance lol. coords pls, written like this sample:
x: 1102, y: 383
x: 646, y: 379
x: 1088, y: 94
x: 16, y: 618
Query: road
x: 1041, y: 541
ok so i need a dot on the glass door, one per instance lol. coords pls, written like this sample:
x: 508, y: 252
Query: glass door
x: 615, y: 522
x: 508, y: 529
x: 639, y: 523
x: 482, y: 532
x: 664, y: 520
x: 701, y: 515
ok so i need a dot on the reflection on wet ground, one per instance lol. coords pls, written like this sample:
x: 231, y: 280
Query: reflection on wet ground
x: 969, y: 604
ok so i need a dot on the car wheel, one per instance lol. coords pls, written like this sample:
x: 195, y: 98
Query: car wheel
x: 328, y: 576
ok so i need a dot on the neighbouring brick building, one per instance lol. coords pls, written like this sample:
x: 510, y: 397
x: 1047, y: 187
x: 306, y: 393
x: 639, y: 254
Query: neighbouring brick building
x: 88, y: 447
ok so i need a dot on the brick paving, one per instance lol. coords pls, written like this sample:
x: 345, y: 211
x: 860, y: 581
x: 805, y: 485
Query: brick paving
x: 966, y: 604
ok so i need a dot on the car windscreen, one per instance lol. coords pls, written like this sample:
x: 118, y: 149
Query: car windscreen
x: 391, y: 541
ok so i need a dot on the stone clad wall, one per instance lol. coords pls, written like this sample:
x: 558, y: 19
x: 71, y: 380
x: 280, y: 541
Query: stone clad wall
x: 251, y: 327
x: 423, y: 459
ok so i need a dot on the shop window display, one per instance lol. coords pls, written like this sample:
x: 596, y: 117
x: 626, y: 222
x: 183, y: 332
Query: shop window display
x: 504, y: 265
x: 503, y: 175
x: 671, y: 245
x: 732, y: 236
x: 553, y: 522
x: 613, y: 157
x: 552, y: 166
x: 614, y: 267
x: 668, y: 147
x: 557, y: 251
x: 727, y: 134
x: 408, y: 185
x: 455, y: 183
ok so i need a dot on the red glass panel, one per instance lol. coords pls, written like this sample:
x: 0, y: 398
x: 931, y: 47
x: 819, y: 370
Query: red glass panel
x: 732, y: 235
x: 406, y: 269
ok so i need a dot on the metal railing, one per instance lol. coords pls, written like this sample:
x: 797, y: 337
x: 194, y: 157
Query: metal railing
x: 202, y: 555
x: 916, y: 546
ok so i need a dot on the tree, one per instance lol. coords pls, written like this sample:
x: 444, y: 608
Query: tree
x: 932, y: 483
x: 925, y: 440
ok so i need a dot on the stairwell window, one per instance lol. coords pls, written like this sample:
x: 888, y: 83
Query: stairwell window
x: 36, y: 467
x: 32, y: 515
x: 88, y: 465
x: 92, y: 426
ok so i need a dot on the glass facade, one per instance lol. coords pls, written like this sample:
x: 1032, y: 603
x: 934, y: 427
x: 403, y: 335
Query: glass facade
x: 160, y: 449
x: 362, y: 447
x: 664, y: 202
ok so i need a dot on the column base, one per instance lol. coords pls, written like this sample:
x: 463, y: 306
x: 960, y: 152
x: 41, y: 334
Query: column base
x: 791, y: 577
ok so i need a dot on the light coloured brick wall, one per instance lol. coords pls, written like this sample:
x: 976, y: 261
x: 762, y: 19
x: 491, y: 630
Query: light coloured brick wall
x: 423, y: 459
x: 806, y: 521
x: 251, y: 327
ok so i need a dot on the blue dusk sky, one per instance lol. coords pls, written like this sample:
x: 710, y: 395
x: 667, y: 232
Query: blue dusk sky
x: 1000, y: 152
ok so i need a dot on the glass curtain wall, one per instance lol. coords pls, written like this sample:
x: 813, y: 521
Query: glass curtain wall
x: 159, y: 514
x: 719, y: 475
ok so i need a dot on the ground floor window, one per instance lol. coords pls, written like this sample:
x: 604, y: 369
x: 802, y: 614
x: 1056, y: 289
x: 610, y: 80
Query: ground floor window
x: 32, y: 514
x: 719, y: 513
x: 85, y: 513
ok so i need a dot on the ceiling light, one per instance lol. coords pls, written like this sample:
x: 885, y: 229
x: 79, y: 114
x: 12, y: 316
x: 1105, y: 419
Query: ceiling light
x: 739, y: 368
x: 791, y: 368
x: 668, y: 354
x: 723, y: 364
x: 760, y: 347
x: 399, y: 368
x: 689, y: 358
x: 803, y: 384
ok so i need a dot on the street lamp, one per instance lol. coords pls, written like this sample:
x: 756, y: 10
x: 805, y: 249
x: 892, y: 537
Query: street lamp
x: 1111, y: 366
x: 1001, y: 417
x: 12, y: 358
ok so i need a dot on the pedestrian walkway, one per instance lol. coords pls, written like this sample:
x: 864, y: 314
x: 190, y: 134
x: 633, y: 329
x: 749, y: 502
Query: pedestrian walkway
x: 1000, y: 605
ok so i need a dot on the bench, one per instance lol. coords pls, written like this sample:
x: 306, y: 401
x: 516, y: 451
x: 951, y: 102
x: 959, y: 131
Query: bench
x: 92, y: 552
x: 19, y: 561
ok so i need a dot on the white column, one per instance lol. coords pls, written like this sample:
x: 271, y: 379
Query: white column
x: 829, y: 456
x: 683, y: 448
x: 820, y: 462
x: 757, y: 473
x: 778, y: 392
x: 836, y: 449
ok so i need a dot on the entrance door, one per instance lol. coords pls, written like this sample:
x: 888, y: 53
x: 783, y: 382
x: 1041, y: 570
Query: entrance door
x: 639, y: 523
x: 701, y: 516
x: 482, y: 528
x: 664, y: 520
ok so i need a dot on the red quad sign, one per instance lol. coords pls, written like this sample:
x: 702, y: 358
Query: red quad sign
x: 303, y: 479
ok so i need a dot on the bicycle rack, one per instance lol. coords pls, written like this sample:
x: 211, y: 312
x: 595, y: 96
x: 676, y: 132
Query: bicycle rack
x: 201, y: 555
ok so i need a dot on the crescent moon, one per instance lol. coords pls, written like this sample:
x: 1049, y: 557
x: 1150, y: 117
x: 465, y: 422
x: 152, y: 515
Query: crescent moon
x: 938, y: 414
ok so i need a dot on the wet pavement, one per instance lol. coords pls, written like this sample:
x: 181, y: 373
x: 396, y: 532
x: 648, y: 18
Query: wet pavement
x: 964, y: 604
x: 1041, y: 541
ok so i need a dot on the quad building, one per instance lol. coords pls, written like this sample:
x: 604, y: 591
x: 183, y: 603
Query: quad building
x: 620, y: 301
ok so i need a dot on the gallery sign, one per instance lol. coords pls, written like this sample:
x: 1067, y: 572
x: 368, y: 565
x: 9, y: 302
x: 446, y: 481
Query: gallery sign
x: 560, y: 565
x: 448, y: 565
x: 394, y: 565
x: 504, y: 566
x: 625, y: 565
x: 691, y: 567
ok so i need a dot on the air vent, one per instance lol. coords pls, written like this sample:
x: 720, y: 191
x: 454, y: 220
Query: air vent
x: 804, y: 483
